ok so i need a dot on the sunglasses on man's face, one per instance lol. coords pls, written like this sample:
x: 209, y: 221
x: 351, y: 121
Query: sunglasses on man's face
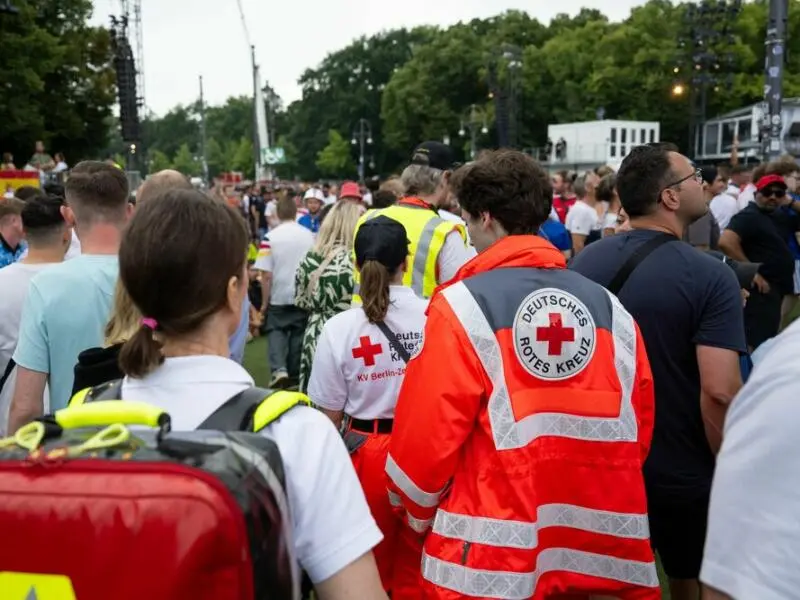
x: 773, y: 193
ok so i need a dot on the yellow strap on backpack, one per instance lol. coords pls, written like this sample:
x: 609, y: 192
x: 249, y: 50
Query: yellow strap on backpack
x: 275, y: 406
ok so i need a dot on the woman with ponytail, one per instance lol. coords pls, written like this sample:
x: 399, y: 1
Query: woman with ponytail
x: 183, y: 262
x: 359, y: 366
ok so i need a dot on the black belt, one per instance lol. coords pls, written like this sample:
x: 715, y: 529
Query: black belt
x: 372, y: 425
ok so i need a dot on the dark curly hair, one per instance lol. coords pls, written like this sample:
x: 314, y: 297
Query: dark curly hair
x: 511, y: 186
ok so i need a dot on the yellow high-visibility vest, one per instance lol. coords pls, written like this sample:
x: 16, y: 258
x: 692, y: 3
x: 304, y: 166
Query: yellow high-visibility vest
x: 426, y: 233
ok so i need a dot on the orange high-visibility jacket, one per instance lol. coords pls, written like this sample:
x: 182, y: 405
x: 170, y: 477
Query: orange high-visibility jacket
x: 520, y: 434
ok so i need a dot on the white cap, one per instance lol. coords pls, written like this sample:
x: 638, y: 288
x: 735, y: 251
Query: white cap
x: 314, y: 193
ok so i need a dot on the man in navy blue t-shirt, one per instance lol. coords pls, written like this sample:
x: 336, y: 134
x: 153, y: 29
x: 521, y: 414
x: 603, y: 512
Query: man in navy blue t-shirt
x: 689, y: 309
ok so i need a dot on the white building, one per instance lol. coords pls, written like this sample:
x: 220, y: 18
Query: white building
x: 715, y: 138
x: 595, y: 143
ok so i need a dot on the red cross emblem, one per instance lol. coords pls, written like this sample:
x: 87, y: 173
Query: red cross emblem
x: 367, y: 351
x: 555, y: 335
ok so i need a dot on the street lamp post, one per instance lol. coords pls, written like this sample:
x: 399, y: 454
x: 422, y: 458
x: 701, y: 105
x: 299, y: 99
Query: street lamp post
x: 773, y: 86
x: 474, y: 120
x: 362, y: 136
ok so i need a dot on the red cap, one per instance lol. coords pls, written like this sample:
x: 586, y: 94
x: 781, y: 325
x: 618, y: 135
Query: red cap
x: 350, y: 189
x: 768, y: 180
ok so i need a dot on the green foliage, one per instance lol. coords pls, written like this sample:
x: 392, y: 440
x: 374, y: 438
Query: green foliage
x: 418, y: 84
x: 243, y: 159
x: 185, y: 162
x: 334, y: 160
x: 57, y: 81
x: 159, y: 161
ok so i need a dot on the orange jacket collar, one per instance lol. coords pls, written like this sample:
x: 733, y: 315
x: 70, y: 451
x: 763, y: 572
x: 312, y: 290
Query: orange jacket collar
x: 512, y: 251
x: 414, y: 201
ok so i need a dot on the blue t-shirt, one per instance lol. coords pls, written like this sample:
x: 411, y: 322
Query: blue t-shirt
x: 65, y: 313
x: 681, y: 298
x: 555, y: 233
x: 310, y: 222
x: 9, y: 255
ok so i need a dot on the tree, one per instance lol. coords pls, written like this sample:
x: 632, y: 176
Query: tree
x: 243, y: 158
x: 185, y: 162
x: 217, y: 161
x: 159, y: 161
x: 334, y: 160
x: 59, y: 84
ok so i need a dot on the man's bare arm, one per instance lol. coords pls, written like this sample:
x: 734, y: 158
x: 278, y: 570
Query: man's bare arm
x: 731, y: 244
x: 578, y: 242
x: 26, y: 403
x: 720, y: 381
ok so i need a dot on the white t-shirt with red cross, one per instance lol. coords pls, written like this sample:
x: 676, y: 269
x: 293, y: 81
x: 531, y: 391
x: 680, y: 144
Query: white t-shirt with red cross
x: 355, y: 368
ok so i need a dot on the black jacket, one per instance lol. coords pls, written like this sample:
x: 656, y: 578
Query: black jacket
x: 96, y: 366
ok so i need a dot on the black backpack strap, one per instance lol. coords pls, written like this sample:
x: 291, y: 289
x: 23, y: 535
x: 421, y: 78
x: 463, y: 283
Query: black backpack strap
x: 635, y: 259
x: 253, y: 409
x: 111, y: 390
x: 7, y: 373
x: 393, y: 341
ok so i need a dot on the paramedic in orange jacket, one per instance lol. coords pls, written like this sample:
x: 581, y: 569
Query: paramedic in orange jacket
x: 525, y: 418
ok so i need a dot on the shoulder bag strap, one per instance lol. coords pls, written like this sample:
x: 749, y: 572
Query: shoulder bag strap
x: 635, y: 259
x: 7, y: 374
x: 111, y: 390
x: 393, y: 341
x: 253, y: 409
x: 313, y: 280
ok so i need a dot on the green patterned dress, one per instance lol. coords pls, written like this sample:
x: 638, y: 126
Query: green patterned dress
x: 329, y: 295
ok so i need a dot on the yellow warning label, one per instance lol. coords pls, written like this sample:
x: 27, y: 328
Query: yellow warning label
x: 35, y: 586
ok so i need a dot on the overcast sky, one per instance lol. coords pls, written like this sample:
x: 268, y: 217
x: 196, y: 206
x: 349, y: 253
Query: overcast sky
x: 187, y: 38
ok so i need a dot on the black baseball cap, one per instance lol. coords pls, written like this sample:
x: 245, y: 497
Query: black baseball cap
x: 381, y: 239
x: 745, y: 271
x: 435, y: 155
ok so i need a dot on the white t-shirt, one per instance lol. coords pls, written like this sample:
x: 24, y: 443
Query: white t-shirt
x: 733, y: 190
x: 454, y: 254
x: 753, y: 537
x: 355, y: 369
x: 280, y: 253
x: 448, y: 216
x: 332, y: 523
x: 747, y: 195
x: 270, y: 211
x: 581, y: 218
x: 723, y: 207
x: 14, y: 284
x: 330, y: 199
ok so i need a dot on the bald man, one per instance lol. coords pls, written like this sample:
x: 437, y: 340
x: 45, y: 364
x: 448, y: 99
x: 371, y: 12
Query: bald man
x: 161, y: 182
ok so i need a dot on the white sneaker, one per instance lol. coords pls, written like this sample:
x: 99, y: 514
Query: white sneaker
x: 279, y: 379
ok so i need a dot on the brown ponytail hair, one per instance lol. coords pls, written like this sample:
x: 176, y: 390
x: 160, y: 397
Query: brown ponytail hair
x: 375, y: 279
x: 175, y: 261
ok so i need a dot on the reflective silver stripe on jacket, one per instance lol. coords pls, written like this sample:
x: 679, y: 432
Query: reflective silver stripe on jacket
x: 408, y: 487
x: 510, y: 434
x: 421, y: 256
x: 519, y: 534
x: 418, y: 525
x: 520, y: 586
x: 395, y: 499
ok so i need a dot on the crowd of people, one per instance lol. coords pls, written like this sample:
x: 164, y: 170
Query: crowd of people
x: 522, y: 385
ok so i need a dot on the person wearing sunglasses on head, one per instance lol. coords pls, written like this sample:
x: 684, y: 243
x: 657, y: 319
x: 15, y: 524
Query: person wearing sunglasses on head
x: 753, y: 235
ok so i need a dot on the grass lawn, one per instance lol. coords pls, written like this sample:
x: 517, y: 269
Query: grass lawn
x: 255, y: 361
